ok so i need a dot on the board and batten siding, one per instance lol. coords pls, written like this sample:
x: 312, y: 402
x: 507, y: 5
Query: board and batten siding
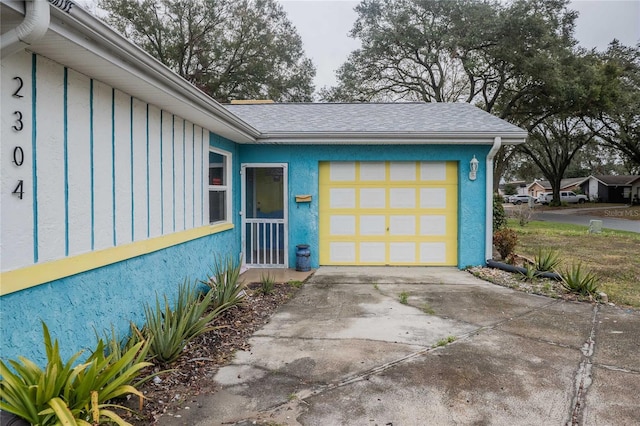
x: 96, y: 168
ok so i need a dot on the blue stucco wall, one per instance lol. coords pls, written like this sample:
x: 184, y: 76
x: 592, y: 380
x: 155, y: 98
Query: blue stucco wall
x: 303, y: 179
x: 75, y: 306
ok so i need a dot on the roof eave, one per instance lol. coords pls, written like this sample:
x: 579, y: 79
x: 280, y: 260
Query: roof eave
x: 99, y: 40
x: 389, y: 138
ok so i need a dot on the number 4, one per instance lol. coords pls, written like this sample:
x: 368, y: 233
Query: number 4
x: 18, y: 191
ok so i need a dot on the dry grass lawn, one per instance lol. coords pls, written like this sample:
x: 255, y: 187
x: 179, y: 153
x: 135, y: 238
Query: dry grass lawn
x: 613, y: 255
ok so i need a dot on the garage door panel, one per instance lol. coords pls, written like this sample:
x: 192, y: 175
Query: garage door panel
x: 402, y: 171
x: 388, y: 213
x: 433, y: 198
x: 402, y: 253
x: 433, y: 171
x: 433, y: 225
x: 433, y: 252
x: 372, y: 172
x: 402, y: 225
x: 342, y: 252
x: 373, y: 198
x: 343, y: 171
x: 402, y: 198
x: 342, y: 225
x: 373, y: 225
x: 342, y: 198
x: 373, y: 252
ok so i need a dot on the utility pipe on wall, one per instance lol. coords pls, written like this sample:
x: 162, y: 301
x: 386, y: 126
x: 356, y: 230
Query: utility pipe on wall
x: 488, y: 249
x: 32, y: 28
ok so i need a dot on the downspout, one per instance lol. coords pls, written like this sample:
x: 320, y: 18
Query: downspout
x: 488, y: 248
x: 32, y: 28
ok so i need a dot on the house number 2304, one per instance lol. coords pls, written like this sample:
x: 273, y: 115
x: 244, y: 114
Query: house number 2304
x: 18, y: 125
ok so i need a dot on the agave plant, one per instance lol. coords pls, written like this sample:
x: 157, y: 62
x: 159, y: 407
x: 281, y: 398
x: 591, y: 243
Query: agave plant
x: 225, y: 283
x: 547, y: 260
x: 267, y: 283
x: 63, y: 394
x: 169, y: 330
x: 530, y: 272
x: 577, y: 280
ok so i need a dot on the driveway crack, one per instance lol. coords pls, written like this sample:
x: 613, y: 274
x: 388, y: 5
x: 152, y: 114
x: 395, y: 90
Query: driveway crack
x: 582, y: 380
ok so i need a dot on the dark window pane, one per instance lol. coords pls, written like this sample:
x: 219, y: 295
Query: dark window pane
x: 217, y: 206
x: 217, y: 165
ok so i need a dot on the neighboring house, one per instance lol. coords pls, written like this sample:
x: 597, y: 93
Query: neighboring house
x: 519, y: 185
x: 122, y: 179
x: 539, y: 187
x: 611, y: 189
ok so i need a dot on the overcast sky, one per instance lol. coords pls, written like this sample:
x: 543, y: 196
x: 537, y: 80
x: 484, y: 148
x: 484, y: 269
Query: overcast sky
x: 324, y: 24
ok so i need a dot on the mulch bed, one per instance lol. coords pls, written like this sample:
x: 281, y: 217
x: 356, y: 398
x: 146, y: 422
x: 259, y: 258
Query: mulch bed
x: 192, y: 374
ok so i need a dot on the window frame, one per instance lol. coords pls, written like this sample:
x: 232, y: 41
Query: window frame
x: 227, y: 187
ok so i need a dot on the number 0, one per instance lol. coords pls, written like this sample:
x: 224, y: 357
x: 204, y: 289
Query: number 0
x: 18, y: 156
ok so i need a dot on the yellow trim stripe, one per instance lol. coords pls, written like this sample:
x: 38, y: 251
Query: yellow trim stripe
x: 30, y: 276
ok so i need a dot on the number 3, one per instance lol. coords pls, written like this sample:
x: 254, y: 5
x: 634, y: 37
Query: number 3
x: 19, y: 123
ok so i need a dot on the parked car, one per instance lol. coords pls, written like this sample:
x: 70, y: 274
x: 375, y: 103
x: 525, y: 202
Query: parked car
x: 569, y: 197
x: 519, y: 199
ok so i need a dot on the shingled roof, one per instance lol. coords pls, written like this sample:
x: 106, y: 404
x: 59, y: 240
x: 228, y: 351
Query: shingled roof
x: 417, y: 122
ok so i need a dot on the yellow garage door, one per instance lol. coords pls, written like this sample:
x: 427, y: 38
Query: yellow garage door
x: 388, y: 213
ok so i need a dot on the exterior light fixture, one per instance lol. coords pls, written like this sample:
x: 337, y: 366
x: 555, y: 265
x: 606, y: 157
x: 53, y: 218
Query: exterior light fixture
x: 473, y: 168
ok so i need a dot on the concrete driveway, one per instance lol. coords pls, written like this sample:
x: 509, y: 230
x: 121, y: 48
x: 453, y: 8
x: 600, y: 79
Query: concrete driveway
x: 345, y: 351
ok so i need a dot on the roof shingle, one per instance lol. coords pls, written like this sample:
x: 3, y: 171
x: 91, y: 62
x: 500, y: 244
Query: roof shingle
x: 380, y: 118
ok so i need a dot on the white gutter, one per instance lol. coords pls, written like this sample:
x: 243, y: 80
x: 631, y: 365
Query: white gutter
x: 33, y: 27
x: 488, y: 248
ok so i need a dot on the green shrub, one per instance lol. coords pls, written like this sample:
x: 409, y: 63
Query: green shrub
x: 63, y: 394
x: 505, y: 241
x: 267, y: 283
x: 580, y: 281
x: 499, y: 216
x: 404, y: 298
x: 169, y: 330
x: 547, y: 260
x: 225, y: 283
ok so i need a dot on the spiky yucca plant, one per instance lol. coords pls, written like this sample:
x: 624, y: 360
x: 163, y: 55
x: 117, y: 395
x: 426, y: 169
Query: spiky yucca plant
x: 225, y: 283
x: 170, y: 329
x: 577, y: 280
x: 63, y: 394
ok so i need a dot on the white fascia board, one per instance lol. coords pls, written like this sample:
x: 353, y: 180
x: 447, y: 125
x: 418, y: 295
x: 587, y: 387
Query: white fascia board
x: 389, y: 138
x: 99, y: 40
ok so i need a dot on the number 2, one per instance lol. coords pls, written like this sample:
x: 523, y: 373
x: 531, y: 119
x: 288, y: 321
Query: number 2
x: 17, y: 94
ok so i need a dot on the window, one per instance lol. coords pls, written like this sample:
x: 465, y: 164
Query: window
x: 219, y: 186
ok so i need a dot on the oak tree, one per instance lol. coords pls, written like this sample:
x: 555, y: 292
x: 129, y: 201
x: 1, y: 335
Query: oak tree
x: 231, y: 49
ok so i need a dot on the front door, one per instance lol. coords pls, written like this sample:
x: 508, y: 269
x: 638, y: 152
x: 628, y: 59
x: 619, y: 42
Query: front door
x: 264, y: 215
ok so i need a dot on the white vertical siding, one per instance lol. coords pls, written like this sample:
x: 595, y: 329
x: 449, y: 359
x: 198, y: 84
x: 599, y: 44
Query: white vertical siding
x: 197, y: 173
x: 108, y: 169
x: 78, y: 144
x: 188, y: 176
x: 122, y: 135
x: 16, y: 213
x: 139, y: 159
x: 102, y: 167
x: 51, y: 161
x: 178, y: 178
x: 205, y: 177
x: 167, y: 173
x: 155, y: 207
